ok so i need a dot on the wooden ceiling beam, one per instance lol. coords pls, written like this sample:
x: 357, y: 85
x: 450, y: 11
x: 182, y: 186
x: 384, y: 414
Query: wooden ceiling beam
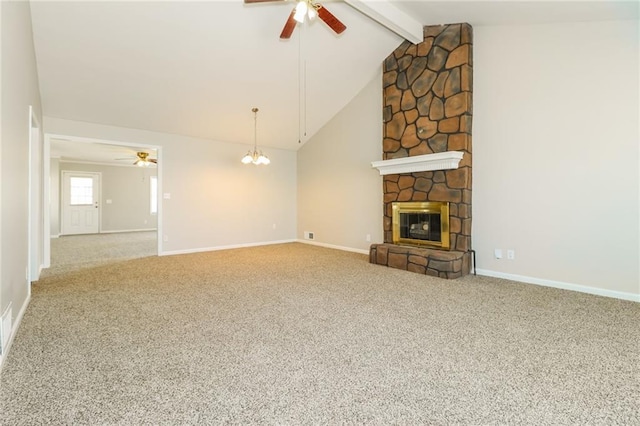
x: 387, y: 14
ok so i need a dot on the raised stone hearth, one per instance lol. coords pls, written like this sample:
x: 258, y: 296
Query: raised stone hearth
x: 437, y: 263
x: 428, y: 110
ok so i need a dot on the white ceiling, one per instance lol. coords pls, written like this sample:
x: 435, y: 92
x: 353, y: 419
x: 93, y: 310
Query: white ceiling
x: 515, y: 12
x: 197, y: 68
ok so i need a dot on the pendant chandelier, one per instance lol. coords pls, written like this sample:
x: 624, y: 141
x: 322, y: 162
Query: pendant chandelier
x: 255, y: 156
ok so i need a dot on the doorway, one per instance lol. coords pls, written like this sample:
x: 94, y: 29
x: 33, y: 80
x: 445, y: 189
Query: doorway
x: 107, y: 158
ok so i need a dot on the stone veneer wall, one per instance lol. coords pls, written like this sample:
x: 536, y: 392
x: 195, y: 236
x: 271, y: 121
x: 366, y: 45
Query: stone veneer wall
x: 428, y: 109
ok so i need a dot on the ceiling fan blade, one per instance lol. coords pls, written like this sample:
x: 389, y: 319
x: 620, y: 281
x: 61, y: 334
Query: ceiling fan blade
x: 152, y: 160
x: 333, y: 22
x: 289, y: 26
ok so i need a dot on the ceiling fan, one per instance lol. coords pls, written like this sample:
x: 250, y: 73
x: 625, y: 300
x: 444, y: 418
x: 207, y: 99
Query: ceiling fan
x: 310, y: 9
x: 142, y: 159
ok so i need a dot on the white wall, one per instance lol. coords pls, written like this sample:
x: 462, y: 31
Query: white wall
x: 339, y: 193
x: 129, y: 191
x: 555, y: 141
x: 215, y: 201
x: 19, y: 90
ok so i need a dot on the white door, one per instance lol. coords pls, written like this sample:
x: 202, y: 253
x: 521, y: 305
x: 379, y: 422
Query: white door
x: 80, y: 206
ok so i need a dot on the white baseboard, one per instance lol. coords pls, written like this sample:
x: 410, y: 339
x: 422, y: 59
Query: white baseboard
x: 55, y: 236
x: 229, y: 247
x: 331, y: 246
x: 14, y: 330
x: 561, y: 285
x: 37, y: 277
x: 120, y: 231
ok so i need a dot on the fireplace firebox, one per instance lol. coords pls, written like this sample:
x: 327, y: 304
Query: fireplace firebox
x: 421, y: 224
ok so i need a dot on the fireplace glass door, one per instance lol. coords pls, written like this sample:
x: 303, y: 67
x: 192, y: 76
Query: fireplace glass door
x: 420, y: 226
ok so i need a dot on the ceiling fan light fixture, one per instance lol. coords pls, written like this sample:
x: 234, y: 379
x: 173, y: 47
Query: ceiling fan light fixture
x: 143, y: 160
x: 301, y: 11
x: 312, y: 13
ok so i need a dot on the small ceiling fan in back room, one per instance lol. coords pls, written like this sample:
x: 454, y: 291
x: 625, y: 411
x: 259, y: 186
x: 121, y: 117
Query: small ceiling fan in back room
x: 141, y: 159
x: 303, y: 9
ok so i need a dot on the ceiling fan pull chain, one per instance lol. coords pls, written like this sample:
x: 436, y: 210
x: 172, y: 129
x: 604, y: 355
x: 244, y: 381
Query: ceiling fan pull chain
x: 300, y: 88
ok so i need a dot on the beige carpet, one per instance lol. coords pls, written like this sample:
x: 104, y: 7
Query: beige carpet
x: 75, y: 252
x: 296, y: 334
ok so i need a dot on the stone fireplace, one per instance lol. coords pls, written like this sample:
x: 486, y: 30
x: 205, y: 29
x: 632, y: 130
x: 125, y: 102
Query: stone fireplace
x: 427, y: 148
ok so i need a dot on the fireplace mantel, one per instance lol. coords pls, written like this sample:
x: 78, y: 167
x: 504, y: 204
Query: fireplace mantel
x: 419, y: 163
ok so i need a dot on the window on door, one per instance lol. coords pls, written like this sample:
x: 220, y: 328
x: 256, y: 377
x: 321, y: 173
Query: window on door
x: 81, y: 191
x: 154, y: 194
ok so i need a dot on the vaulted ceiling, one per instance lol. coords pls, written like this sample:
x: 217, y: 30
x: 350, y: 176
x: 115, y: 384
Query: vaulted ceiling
x: 197, y: 68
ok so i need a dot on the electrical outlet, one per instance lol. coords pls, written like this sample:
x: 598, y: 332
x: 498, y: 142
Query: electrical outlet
x: 511, y: 254
x: 368, y: 238
x: 497, y: 253
x: 165, y: 238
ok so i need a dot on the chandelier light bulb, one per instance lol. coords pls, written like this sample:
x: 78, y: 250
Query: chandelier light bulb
x: 247, y: 158
x: 262, y: 159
